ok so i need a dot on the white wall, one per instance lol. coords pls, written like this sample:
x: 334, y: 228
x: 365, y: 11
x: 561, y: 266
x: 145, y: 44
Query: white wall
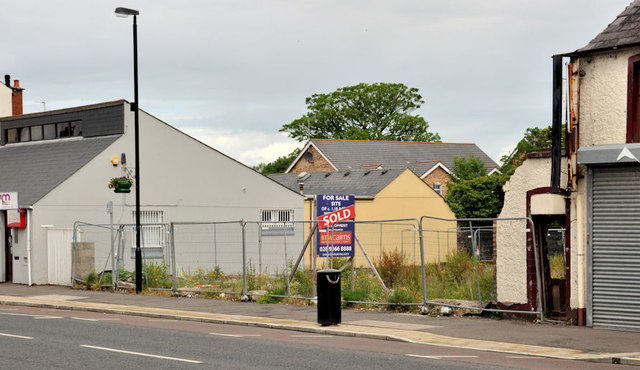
x: 184, y: 178
x: 511, y: 239
x: 603, y: 98
x: 5, y: 101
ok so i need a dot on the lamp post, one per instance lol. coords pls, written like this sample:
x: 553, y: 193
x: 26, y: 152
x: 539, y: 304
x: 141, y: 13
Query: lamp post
x: 125, y: 12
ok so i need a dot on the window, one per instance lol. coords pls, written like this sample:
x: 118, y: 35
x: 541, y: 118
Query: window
x: 36, y: 133
x: 276, y: 221
x: 633, y: 100
x: 437, y: 187
x: 25, y: 134
x: 11, y: 135
x: 152, y: 236
x: 43, y: 132
x: 49, y: 131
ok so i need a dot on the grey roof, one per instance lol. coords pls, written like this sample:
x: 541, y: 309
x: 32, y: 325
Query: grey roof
x: 420, y: 157
x: 623, y: 31
x: 34, y: 169
x: 362, y: 183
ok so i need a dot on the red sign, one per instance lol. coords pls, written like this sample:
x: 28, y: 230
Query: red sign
x: 342, y: 214
x: 335, y: 237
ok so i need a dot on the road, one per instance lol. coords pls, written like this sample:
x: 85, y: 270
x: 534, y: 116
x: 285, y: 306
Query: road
x: 35, y: 338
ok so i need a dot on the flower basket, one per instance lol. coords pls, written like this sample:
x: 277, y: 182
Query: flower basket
x: 121, y: 184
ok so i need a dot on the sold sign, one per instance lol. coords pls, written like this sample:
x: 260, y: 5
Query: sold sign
x: 342, y: 214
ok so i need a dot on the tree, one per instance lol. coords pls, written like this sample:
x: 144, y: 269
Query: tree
x: 535, y: 138
x: 471, y: 192
x: 467, y: 168
x: 479, y: 197
x: 379, y: 111
x: 279, y: 165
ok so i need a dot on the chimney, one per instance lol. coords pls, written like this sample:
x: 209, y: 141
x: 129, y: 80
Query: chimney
x: 7, y: 80
x: 16, y: 97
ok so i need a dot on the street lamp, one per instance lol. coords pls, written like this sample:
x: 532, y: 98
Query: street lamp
x: 125, y: 12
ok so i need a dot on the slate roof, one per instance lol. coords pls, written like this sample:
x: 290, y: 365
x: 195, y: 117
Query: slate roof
x: 361, y: 183
x: 623, y: 31
x: 34, y: 169
x: 420, y: 157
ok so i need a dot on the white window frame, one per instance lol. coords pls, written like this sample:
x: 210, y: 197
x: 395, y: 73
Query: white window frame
x: 437, y: 186
x: 276, y: 221
x: 153, y: 233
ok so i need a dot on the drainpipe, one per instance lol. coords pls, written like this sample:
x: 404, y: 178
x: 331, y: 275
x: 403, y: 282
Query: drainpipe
x: 29, y: 210
x: 581, y: 257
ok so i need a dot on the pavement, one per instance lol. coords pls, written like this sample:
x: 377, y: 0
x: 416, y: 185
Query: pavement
x: 479, y: 333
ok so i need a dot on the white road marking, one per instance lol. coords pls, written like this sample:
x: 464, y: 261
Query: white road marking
x: 440, y: 357
x: 84, y: 319
x: 141, y: 354
x: 15, y: 336
x: 17, y: 314
x: 236, y: 335
x: 9, y: 309
x: 31, y: 315
x: 312, y: 336
x: 528, y: 357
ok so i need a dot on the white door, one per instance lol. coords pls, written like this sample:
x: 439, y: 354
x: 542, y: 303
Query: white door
x: 59, y: 243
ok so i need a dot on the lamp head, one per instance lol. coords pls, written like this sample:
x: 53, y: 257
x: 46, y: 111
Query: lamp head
x: 125, y: 12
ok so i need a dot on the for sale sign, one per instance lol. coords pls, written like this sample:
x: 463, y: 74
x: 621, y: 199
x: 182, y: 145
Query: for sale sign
x: 335, y: 237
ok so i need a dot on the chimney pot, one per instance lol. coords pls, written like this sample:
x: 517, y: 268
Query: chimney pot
x: 7, y: 80
x: 16, y: 83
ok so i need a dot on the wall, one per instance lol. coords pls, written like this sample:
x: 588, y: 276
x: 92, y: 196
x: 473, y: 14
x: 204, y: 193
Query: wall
x: 5, y: 101
x: 438, y: 175
x: 603, y: 97
x: 317, y: 164
x: 184, y: 178
x: 511, y: 243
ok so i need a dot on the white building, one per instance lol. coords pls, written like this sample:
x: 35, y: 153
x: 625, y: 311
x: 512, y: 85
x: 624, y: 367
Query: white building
x: 60, y: 163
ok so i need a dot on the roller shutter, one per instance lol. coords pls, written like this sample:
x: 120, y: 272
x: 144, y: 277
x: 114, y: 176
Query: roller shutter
x: 615, y: 261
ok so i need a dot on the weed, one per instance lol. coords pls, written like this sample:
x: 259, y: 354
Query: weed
x: 399, y: 296
x: 268, y: 296
x: 390, y: 267
x: 91, y: 281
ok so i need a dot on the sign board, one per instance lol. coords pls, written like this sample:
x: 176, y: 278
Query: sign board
x: 8, y: 201
x: 16, y: 218
x: 335, y: 238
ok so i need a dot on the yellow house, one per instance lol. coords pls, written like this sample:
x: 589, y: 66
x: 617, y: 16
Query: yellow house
x: 388, y: 207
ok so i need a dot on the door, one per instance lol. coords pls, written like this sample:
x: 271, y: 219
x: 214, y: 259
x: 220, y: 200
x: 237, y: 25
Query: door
x: 614, y: 259
x: 6, y: 245
x: 59, y: 244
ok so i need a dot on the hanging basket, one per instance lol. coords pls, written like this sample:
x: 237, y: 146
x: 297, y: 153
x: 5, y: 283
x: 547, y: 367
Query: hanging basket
x: 121, y: 184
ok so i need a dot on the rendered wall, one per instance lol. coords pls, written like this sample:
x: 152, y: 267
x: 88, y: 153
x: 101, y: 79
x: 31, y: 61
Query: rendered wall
x: 511, y: 242
x: 5, y: 101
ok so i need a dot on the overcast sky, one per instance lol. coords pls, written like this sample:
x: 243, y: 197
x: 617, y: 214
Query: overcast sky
x: 232, y: 72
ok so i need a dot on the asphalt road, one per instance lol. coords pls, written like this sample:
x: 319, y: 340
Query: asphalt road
x: 34, y: 338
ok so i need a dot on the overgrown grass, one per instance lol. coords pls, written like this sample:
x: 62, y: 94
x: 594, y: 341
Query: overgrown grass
x: 453, y: 279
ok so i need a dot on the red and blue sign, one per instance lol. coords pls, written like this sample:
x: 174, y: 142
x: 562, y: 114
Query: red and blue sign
x: 335, y: 237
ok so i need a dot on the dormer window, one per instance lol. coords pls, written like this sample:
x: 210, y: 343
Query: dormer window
x: 43, y: 132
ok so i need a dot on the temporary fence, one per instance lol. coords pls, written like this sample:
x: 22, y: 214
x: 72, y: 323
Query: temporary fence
x: 406, y: 262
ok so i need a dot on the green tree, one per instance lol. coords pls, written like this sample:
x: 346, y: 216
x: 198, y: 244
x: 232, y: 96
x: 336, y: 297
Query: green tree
x: 479, y: 197
x: 379, y: 111
x: 535, y: 138
x: 467, y: 168
x: 279, y: 165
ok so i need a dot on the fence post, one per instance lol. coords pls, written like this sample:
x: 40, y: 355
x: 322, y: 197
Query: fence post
x: 215, y: 244
x: 172, y: 247
x: 260, y: 246
x: 538, y: 273
x: 424, y: 275
x: 244, y: 259
x: 475, y: 250
x: 286, y: 258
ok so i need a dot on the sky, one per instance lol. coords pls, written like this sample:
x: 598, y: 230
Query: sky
x: 231, y: 72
